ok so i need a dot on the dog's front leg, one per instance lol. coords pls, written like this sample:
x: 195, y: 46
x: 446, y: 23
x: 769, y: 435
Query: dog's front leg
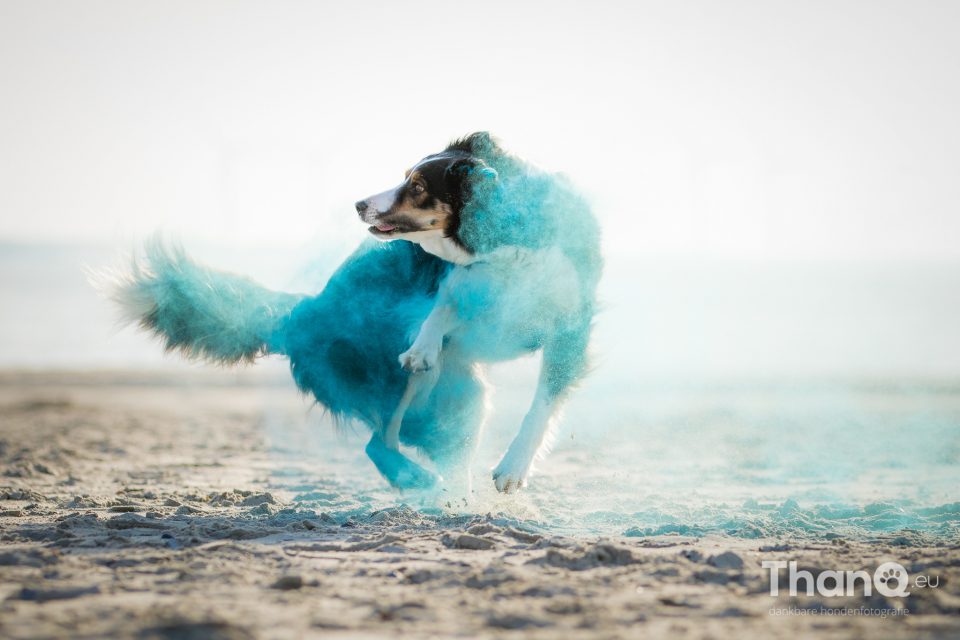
x: 424, y: 353
x: 564, y: 361
x: 511, y: 472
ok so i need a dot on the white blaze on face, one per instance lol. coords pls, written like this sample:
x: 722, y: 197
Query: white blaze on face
x: 382, y: 202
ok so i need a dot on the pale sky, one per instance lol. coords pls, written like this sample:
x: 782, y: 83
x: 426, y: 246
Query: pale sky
x: 800, y: 130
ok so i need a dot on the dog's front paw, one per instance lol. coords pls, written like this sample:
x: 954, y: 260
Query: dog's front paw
x: 511, y: 473
x: 418, y: 358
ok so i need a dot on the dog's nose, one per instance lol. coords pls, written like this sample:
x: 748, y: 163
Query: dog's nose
x: 361, y: 206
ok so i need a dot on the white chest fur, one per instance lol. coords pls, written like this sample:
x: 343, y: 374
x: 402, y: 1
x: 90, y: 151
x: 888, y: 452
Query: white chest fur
x: 447, y: 249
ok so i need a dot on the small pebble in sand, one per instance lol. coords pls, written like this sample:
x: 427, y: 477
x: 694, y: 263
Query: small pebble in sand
x: 467, y: 541
x: 288, y: 582
x: 726, y: 560
x: 692, y: 555
x: 258, y: 499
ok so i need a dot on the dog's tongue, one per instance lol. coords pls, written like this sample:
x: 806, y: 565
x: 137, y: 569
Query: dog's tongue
x: 385, y: 227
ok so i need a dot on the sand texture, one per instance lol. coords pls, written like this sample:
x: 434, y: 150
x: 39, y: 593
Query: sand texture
x: 141, y: 508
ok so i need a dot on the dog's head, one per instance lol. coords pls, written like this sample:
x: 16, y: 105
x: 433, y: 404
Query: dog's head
x: 427, y: 204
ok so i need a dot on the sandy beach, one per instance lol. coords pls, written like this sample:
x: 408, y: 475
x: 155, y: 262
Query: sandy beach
x: 141, y: 507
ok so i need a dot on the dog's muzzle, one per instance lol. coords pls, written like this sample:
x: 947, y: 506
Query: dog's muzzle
x: 373, y: 208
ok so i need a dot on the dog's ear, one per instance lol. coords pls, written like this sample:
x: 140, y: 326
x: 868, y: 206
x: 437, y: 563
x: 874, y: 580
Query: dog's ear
x: 471, y: 169
x: 466, y: 175
x: 486, y: 172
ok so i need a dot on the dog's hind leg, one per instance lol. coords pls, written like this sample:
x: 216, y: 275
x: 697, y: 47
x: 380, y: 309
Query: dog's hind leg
x: 448, y: 427
x: 384, y: 448
x: 564, y: 361
x: 419, y: 385
x: 399, y: 470
x: 391, y: 435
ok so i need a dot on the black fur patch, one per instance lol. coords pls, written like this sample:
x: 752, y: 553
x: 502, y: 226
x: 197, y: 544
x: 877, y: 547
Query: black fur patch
x: 445, y: 176
x: 474, y: 144
x: 457, y: 178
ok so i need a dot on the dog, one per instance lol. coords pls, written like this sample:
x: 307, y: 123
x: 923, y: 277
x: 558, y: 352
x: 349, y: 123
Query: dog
x: 477, y: 257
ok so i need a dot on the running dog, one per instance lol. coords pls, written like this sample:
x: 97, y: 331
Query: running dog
x: 483, y: 258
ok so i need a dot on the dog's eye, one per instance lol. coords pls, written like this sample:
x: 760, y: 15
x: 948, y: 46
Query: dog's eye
x: 417, y: 188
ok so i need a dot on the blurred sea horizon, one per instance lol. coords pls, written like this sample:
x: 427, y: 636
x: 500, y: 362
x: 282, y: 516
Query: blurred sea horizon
x: 662, y: 318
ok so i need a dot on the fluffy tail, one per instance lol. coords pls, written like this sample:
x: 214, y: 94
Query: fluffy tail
x: 202, y: 313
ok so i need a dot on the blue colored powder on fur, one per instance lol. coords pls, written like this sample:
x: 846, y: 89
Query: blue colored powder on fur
x: 343, y: 343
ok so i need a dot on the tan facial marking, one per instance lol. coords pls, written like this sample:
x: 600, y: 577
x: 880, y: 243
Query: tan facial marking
x: 434, y: 217
x: 409, y: 213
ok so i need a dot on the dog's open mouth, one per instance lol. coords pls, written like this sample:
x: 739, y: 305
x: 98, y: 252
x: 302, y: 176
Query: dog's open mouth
x: 384, y: 228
